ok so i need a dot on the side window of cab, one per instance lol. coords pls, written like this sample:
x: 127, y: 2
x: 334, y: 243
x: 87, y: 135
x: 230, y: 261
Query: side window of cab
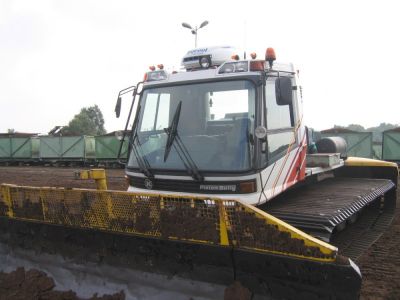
x: 279, y: 121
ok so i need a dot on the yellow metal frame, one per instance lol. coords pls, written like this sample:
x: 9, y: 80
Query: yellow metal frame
x: 368, y: 162
x: 309, y: 240
x: 6, y: 196
x: 105, y: 206
x: 99, y: 175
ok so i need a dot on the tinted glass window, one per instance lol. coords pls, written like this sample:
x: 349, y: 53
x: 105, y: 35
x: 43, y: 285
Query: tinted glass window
x: 228, y: 105
x: 278, y: 144
x: 156, y: 112
x: 279, y: 124
x: 278, y: 116
x: 163, y: 112
x: 215, y: 125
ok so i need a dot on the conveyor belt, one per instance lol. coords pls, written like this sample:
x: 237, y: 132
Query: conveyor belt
x: 326, y: 207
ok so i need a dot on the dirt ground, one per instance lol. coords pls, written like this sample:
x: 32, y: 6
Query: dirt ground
x: 24, y: 284
x: 34, y: 284
x: 380, y: 265
x: 58, y: 177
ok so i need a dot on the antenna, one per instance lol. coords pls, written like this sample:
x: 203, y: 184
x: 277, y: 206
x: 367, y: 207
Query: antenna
x: 244, y: 37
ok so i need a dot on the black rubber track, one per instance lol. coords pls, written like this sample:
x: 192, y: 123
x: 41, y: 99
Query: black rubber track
x: 367, y: 229
x: 324, y: 208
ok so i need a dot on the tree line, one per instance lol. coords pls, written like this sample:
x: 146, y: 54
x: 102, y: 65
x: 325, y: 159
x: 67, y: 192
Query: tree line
x: 89, y: 121
x: 376, y: 130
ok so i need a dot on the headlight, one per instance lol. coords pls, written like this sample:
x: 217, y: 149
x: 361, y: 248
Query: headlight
x: 234, y: 67
x: 156, y: 75
x: 205, y: 62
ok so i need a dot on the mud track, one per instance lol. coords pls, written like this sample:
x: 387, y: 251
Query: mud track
x: 380, y: 265
x: 58, y: 177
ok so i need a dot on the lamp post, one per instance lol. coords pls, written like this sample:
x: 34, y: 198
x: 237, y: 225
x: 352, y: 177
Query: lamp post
x: 194, y: 30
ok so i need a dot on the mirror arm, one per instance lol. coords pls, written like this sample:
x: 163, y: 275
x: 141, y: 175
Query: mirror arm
x: 127, y: 121
x: 127, y: 90
x: 118, y: 104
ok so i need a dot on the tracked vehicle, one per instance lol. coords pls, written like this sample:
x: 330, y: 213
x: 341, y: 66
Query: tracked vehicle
x: 222, y: 187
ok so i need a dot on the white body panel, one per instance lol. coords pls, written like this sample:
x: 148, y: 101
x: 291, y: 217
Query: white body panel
x: 245, y: 198
x: 274, y: 178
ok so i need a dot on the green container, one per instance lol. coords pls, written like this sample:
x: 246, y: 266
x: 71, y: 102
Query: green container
x: 391, y: 145
x: 359, y: 144
x: 5, y: 148
x: 67, y: 148
x: 107, y: 147
x: 377, y: 150
x: 19, y: 148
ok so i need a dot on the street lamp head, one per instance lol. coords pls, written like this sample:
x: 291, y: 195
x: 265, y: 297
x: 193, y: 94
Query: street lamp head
x: 186, y: 25
x: 203, y: 24
x: 194, y: 30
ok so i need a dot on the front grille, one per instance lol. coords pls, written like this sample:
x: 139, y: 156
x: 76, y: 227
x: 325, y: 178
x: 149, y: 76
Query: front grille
x: 205, y: 187
x: 191, y: 58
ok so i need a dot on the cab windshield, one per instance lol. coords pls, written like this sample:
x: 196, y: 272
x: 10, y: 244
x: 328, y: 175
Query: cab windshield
x: 216, y: 124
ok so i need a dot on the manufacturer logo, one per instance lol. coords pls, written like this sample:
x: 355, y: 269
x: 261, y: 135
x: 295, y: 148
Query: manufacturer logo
x: 197, y: 51
x: 219, y: 188
x: 148, y: 184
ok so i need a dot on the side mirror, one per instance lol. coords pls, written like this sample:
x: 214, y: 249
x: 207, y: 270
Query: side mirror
x: 284, y: 91
x: 118, y: 107
x: 119, y: 100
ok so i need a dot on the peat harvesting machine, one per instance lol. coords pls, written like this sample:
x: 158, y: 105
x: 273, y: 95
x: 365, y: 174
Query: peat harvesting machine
x: 225, y: 184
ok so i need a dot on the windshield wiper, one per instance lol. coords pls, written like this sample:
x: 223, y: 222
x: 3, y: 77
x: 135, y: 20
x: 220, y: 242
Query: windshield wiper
x: 180, y: 148
x: 142, y: 161
x: 172, y: 130
x: 184, y: 155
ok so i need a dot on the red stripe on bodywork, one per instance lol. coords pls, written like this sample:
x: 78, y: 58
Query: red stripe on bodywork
x: 297, y: 169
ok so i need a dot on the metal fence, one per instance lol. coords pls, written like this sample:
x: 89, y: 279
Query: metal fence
x: 194, y: 219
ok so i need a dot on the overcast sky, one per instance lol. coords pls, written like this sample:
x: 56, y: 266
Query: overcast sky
x: 59, y: 56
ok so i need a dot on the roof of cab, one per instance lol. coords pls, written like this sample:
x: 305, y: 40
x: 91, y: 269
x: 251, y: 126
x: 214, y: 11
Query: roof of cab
x: 212, y: 73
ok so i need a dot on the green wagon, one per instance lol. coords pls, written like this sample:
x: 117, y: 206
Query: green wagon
x: 107, y: 147
x: 67, y: 149
x: 19, y: 148
x: 391, y: 145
